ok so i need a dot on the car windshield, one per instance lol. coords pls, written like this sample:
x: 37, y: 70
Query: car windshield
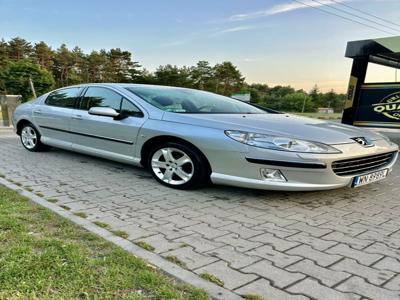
x: 180, y: 100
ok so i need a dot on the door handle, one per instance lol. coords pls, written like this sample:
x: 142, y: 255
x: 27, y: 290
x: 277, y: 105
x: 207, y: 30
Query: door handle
x: 38, y: 112
x: 77, y: 117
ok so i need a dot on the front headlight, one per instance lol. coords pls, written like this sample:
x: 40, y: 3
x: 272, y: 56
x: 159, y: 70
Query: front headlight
x: 279, y: 143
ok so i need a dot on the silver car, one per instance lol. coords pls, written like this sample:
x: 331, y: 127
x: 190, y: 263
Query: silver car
x: 187, y: 138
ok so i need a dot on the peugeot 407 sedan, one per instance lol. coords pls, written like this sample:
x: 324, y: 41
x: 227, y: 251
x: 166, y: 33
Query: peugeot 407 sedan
x: 187, y: 138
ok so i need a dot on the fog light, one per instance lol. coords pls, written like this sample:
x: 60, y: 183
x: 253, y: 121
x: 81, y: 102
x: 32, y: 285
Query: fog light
x: 272, y: 175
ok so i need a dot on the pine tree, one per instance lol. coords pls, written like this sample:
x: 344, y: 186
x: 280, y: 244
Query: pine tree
x: 43, y: 55
x: 19, y: 48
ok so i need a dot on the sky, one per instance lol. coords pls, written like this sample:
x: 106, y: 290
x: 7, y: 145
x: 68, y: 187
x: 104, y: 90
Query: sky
x: 271, y: 41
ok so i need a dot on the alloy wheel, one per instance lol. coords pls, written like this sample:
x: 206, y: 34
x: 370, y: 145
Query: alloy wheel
x: 29, y: 137
x: 172, y: 166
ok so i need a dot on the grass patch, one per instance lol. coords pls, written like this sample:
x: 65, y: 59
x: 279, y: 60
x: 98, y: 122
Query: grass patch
x: 39, y: 195
x: 2, y: 176
x: 212, y: 278
x: 81, y: 214
x: 43, y: 256
x: 252, y: 297
x: 65, y: 207
x: 18, y: 184
x: 52, y: 200
x: 175, y: 260
x: 29, y: 189
x: 101, y: 224
x: 120, y: 233
x: 145, y: 246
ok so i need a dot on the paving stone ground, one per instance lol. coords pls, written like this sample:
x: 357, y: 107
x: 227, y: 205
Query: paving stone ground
x: 340, y: 244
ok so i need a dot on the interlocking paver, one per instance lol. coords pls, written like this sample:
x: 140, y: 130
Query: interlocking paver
x: 134, y: 231
x: 170, y: 231
x: 349, y: 240
x: 199, y: 243
x: 180, y: 221
x: 206, y: 230
x: 374, y: 276
x: 161, y: 244
x: 327, y: 276
x: 263, y: 242
x: 264, y: 289
x: 321, y: 258
x: 275, y: 229
x: 313, y: 230
x: 393, y: 284
x: 280, y: 259
x: 237, y: 242
x: 361, y: 287
x: 279, y: 277
x: 192, y: 259
x: 232, y: 279
x: 380, y: 236
x: 316, y: 243
x: 362, y: 257
x: 214, y: 221
x: 235, y: 259
x: 278, y: 243
x: 314, y: 289
x: 388, y: 263
x: 241, y: 230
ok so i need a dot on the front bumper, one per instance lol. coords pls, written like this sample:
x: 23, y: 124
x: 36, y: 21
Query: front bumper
x: 304, y: 172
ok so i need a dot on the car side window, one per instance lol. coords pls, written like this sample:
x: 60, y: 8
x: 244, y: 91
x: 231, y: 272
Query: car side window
x: 100, y: 97
x: 63, y: 98
x: 130, y: 109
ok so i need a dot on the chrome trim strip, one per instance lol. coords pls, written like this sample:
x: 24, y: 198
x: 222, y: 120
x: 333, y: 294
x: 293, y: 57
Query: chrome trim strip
x: 290, y: 164
x: 89, y: 135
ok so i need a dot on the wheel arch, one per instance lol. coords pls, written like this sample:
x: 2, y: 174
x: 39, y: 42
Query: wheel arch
x: 157, y: 140
x: 21, y: 123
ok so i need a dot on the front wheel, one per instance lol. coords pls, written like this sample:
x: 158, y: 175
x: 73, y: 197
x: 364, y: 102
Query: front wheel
x: 30, y: 139
x: 178, y: 166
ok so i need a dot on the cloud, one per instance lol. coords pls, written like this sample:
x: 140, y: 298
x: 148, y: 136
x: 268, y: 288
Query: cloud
x: 234, y: 29
x: 279, y: 9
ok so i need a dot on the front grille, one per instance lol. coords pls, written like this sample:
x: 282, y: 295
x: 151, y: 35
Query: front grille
x: 362, y: 165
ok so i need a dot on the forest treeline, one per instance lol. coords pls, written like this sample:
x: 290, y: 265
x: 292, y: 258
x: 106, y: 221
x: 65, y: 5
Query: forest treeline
x: 48, y: 68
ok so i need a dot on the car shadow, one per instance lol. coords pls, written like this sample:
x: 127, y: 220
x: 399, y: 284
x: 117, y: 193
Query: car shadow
x: 309, y: 199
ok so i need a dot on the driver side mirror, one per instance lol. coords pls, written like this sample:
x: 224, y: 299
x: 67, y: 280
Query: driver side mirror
x: 105, y: 112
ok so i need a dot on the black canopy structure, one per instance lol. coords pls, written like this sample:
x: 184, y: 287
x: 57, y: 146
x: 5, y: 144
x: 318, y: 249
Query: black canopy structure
x: 373, y: 104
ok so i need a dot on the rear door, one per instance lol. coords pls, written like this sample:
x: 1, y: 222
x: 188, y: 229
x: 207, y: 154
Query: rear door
x: 106, y: 136
x: 54, y: 116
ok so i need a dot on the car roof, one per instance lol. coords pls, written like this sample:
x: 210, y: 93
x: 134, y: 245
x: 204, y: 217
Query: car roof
x: 125, y: 85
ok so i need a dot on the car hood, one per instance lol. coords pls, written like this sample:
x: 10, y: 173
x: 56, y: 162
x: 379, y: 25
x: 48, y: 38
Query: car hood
x: 277, y: 124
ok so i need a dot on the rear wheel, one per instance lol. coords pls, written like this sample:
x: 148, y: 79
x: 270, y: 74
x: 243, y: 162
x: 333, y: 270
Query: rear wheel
x: 178, y: 166
x: 30, y: 138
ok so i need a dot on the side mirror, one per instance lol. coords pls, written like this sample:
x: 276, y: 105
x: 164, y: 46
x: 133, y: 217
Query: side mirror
x: 103, y: 111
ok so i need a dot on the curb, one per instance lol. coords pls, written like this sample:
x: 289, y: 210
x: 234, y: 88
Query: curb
x: 180, y: 274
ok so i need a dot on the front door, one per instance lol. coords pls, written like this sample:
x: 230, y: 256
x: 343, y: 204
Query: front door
x: 106, y: 136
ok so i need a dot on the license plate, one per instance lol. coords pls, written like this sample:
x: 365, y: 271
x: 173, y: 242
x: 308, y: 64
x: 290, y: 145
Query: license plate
x: 369, y: 178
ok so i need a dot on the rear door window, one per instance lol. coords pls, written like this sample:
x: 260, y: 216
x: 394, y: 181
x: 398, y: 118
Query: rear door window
x: 66, y: 98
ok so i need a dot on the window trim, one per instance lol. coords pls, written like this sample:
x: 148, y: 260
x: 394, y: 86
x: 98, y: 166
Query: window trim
x: 86, y: 88
x: 77, y: 98
x: 265, y: 110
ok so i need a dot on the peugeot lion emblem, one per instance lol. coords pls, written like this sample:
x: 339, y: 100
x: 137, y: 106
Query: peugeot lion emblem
x: 364, y: 141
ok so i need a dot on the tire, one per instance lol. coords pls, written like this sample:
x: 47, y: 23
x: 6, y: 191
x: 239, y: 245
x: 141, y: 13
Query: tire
x: 30, y: 139
x: 178, y: 166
